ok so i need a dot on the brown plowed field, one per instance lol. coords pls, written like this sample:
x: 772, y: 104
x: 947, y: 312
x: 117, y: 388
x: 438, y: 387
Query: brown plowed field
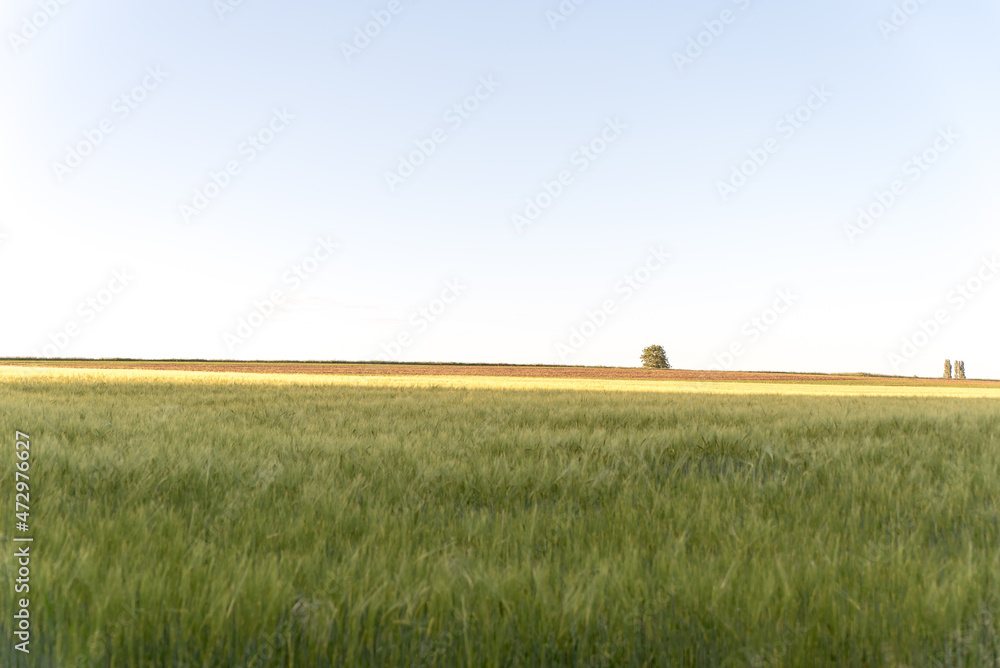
x: 619, y: 373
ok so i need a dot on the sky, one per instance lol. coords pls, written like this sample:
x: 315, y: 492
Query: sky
x: 752, y: 184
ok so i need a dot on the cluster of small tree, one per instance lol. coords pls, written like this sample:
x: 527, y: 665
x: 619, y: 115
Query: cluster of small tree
x: 959, y: 369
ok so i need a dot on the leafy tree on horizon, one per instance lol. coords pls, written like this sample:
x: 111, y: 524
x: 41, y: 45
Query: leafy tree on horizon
x: 947, y: 369
x: 655, y: 357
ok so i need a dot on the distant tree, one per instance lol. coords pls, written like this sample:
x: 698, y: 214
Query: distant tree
x: 947, y: 369
x: 961, y: 370
x: 655, y: 357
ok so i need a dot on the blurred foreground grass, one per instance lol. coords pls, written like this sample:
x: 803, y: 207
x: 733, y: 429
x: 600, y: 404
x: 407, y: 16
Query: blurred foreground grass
x: 216, y: 519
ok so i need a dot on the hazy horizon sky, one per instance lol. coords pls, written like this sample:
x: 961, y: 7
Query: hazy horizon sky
x: 207, y: 179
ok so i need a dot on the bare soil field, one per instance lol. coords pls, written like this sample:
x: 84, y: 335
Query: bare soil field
x: 514, y: 371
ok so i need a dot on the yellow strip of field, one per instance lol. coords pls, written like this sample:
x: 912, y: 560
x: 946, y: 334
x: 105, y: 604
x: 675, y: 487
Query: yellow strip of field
x: 29, y: 374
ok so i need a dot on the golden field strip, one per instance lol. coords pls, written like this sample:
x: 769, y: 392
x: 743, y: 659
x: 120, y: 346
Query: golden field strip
x: 496, y: 370
x: 472, y: 382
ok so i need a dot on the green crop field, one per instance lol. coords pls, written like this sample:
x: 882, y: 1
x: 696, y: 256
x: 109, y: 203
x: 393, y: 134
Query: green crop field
x: 228, y: 520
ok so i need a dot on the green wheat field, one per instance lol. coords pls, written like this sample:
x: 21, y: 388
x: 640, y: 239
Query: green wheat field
x: 228, y: 520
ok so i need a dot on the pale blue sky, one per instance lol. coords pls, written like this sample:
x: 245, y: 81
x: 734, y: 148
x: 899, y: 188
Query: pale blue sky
x: 520, y: 294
